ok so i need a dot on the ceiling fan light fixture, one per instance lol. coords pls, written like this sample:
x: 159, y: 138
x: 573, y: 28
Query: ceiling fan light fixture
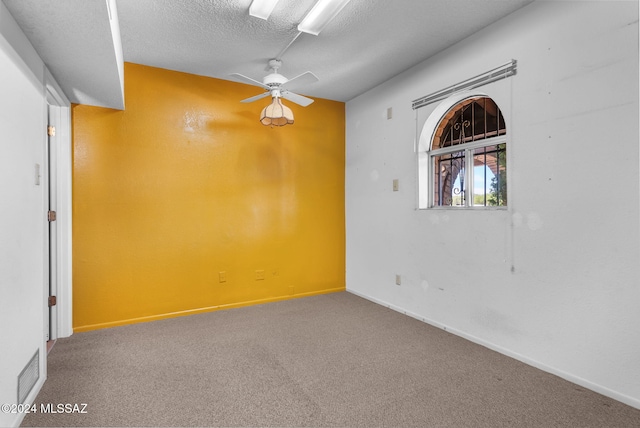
x: 262, y: 8
x: 320, y: 15
x: 276, y: 114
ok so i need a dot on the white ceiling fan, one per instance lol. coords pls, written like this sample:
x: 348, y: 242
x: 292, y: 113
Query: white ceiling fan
x: 278, y: 86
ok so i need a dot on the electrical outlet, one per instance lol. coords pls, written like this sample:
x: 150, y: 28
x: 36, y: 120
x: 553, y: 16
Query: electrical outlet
x: 222, y: 276
x: 259, y: 275
x: 398, y: 280
x: 389, y: 113
x: 396, y: 185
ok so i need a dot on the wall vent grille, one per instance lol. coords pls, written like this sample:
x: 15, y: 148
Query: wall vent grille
x: 28, y: 377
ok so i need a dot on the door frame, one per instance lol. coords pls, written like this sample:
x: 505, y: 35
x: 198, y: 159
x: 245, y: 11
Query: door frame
x: 58, y: 114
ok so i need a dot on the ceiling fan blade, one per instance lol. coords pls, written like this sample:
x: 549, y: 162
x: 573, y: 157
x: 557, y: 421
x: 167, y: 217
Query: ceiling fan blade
x: 248, y: 80
x: 305, y: 78
x: 298, y: 99
x: 257, y: 97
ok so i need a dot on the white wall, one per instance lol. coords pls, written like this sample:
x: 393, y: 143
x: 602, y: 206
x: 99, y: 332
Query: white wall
x: 554, y: 280
x: 23, y: 230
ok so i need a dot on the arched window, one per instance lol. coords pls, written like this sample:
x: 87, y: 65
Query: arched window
x: 467, y: 156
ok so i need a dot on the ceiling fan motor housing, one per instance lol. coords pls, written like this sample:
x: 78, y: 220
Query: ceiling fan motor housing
x: 274, y: 79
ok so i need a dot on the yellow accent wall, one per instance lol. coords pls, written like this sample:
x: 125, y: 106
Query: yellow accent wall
x: 185, y: 183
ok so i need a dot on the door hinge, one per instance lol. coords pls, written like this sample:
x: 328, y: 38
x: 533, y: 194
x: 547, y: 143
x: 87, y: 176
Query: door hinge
x: 51, y: 215
x: 51, y: 131
x: 52, y: 301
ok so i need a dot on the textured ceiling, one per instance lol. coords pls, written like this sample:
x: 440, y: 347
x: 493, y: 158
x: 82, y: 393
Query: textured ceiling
x: 369, y: 42
x: 75, y: 40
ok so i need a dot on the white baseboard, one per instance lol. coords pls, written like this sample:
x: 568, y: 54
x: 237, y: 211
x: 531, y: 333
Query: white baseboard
x: 630, y: 401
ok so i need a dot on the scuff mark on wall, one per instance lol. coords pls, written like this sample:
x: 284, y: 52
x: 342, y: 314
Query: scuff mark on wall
x: 534, y: 222
x: 496, y: 321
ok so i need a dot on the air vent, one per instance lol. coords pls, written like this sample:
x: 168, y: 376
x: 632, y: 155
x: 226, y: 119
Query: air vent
x: 28, y: 377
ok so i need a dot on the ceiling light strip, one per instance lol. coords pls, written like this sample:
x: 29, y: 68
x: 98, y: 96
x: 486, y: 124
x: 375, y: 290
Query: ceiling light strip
x: 262, y: 8
x: 320, y: 15
x: 502, y: 72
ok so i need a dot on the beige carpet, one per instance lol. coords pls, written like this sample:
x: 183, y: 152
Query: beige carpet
x: 330, y: 360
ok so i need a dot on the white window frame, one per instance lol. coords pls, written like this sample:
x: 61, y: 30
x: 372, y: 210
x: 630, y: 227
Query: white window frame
x: 468, y: 149
x: 425, y: 193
